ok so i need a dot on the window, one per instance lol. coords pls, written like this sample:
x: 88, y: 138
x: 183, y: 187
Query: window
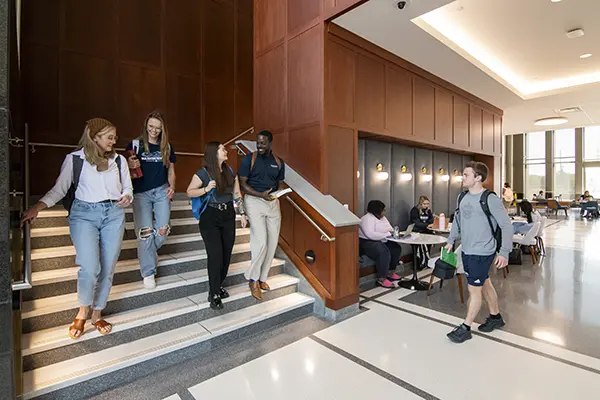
x: 591, y: 143
x: 535, y: 163
x: 592, y: 180
x: 564, y: 163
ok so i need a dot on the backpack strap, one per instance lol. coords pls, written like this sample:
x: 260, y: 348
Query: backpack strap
x: 118, y: 161
x: 277, y: 161
x: 77, y: 168
x: 255, y: 154
x: 483, y: 200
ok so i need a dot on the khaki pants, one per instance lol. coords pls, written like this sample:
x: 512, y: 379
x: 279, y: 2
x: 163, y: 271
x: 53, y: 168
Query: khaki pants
x: 265, y: 220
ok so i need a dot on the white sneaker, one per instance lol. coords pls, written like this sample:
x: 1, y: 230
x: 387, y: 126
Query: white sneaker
x: 149, y: 282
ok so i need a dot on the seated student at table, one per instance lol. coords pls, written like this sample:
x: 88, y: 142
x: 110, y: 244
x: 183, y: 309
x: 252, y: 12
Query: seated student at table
x: 539, y: 196
x: 373, y: 230
x: 422, y: 216
x: 533, y: 216
x: 586, y: 196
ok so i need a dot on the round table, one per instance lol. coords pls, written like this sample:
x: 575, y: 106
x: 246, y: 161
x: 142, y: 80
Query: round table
x: 437, y: 230
x: 415, y: 240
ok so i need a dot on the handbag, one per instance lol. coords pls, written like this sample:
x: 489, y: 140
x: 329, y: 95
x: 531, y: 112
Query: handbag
x: 199, y: 204
x: 445, y: 266
x: 515, y: 257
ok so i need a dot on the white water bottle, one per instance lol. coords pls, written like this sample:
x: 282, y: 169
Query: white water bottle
x: 442, y: 222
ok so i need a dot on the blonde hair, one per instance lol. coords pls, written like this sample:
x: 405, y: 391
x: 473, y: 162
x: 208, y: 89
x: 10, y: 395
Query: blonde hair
x: 93, y: 153
x: 165, y: 147
x: 422, y: 199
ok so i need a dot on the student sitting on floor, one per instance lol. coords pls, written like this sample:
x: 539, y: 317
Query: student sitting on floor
x: 373, y: 230
x: 533, y: 216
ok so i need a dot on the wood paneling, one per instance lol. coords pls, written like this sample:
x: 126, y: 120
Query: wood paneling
x: 270, y: 16
x: 488, y: 131
x: 475, y: 128
x: 498, y: 134
x: 307, y: 237
x: 443, y: 116
x: 304, y: 155
x: 192, y: 59
x: 269, y: 91
x: 423, y: 111
x: 340, y: 78
x: 301, y: 13
x: 398, y: 102
x: 305, y: 77
x: 370, y: 93
x: 341, y: 176
x: 461, y: 123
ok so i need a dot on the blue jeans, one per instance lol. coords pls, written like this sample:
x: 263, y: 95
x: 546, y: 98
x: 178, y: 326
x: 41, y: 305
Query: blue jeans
x: 521, y: 228
x: 148, y: 206
x: 97, y: 233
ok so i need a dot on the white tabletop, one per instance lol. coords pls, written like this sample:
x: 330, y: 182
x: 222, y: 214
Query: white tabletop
x: 419, y: 238
x: 440, y: 230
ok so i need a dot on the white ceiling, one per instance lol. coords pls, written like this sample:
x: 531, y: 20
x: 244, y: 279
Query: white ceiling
x: 525, y: 37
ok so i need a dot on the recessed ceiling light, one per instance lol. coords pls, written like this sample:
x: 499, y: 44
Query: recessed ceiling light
x: 555, y: 1
x: 586, y: 55
x: 551, y: 121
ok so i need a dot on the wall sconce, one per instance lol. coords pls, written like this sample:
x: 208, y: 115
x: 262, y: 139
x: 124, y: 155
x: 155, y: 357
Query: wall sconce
x: 443, y: 175
x: 357, y: 174
x: 426, y: 177
x: 405, y: 175
x: 457, y: 176
x: 381, y: 174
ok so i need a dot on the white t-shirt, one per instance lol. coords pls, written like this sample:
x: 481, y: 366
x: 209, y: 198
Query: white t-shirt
x: 508, y: 194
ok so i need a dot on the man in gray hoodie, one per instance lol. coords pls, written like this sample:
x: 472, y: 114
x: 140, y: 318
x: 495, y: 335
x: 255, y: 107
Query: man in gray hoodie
x: 479, y: 248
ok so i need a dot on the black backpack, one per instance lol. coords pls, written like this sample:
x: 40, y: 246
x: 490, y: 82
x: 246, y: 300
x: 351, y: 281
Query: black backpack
x: 483, y: 201
x: 69, y: 198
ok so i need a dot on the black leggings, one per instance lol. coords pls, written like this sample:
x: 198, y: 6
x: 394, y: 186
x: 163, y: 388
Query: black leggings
x: 218, y: 232
x: 386, y: 255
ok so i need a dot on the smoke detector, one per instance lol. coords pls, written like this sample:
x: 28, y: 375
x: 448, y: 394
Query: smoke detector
x: 575, y: 33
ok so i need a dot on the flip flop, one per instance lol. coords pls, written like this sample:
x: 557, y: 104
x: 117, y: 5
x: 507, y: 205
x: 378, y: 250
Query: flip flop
x: 386, y: 284
x: 78, y: 325
x: 101, y: 326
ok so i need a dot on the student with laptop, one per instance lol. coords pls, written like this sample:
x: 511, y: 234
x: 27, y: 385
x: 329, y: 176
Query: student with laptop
x: 373, y: 231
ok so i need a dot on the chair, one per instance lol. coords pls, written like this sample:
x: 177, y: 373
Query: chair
x: 529, y: 239
x: 554, y: 206
x: 540, y: 236
x: 460, y: 270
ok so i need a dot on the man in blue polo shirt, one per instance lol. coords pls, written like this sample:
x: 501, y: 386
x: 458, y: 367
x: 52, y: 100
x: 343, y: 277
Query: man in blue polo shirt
x: 260, y: 174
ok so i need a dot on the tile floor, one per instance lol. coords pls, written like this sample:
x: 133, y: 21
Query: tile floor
x: 397, y: 349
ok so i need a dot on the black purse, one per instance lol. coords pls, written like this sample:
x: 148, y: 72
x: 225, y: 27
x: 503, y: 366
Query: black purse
x: 514, y: 257
x: 443, y: 270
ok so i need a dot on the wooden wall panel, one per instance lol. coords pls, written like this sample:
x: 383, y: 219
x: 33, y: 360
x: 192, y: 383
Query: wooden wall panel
x: 423, y: 111
x: 306, y: 237
x: 398, y: 102
x: 444, y: 119
x: 269, y: 93
x: 305, y: 77
x: 461, y: 123
x: 341, y: 169
x: 340, y: 88
x: 488, y: 131
x: 148, y: 55
x: 140, y: 41
x: 347, y: 271
x: 304, y: 155
x: 370, y: 93
x: 475, y: 128
x: 270, y: 16
x: 498, y: 134
x: 302, y: 12
x: 287, y: 221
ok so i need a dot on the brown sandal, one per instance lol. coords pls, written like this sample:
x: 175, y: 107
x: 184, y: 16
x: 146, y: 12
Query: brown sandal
x: 101, y: 326
x: 77, y: 325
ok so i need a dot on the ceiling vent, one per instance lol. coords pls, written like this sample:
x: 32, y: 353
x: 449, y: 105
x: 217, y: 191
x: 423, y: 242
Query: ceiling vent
x: 568, y: 110
x: 575, y: 33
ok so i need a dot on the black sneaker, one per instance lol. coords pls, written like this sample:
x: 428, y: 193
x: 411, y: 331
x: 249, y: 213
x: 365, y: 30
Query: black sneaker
x: 460, y: 334
x: 215, y: 302
x: 491, y: 323
x: 224, y: 294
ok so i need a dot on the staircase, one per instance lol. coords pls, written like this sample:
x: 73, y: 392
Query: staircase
x: 151, y: 329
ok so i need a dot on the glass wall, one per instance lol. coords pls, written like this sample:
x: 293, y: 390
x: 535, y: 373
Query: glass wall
x: 535, y: 163
x: 564, y: 163
x: 591, y: 160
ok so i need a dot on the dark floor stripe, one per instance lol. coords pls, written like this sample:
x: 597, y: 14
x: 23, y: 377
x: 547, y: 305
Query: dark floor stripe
x: 495, y: 339
x: 186, y: 395
x: 421, y: 393
x: 396, y: 288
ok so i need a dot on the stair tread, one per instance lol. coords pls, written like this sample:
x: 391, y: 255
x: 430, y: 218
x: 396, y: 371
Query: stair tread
x: 66, y: 373
x: 43, y: 340
x: 48, y: 305
x: 64, y: 251
x: 59, y: 211
x: 70, y: 273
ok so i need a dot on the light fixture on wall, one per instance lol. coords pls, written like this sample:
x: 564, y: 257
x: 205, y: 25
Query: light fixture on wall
x: 357, y: 174
x: 405, y: 175
x: 427, y: 177
x: 457, y: 176
x: 381, y: 174
x: 444, y: 175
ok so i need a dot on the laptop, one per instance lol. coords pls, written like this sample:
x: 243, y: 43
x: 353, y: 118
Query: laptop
x: 408, y: 230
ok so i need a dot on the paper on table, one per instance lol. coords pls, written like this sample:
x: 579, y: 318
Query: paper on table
x: 280, y: 193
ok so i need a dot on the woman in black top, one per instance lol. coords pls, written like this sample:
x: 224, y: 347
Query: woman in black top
x: 422, y: 216
x: 217, y: 222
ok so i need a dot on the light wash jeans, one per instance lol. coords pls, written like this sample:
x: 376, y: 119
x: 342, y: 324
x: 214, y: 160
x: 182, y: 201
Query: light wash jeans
x: 521, y: 228
x: 148, y: 206
x: 97, y: 233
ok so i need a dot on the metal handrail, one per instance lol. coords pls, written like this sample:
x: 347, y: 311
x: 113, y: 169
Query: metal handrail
x: 324, y: 237
x: 26, y: 282
x: 73, y: 146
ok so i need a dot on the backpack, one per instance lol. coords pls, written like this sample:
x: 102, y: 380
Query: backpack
x: 483, y: 201
x: 255, y: 154
x: 200, y: 203
x: 69, y: 198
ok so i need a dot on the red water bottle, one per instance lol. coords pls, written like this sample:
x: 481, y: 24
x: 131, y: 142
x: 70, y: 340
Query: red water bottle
x: 134, y: 172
